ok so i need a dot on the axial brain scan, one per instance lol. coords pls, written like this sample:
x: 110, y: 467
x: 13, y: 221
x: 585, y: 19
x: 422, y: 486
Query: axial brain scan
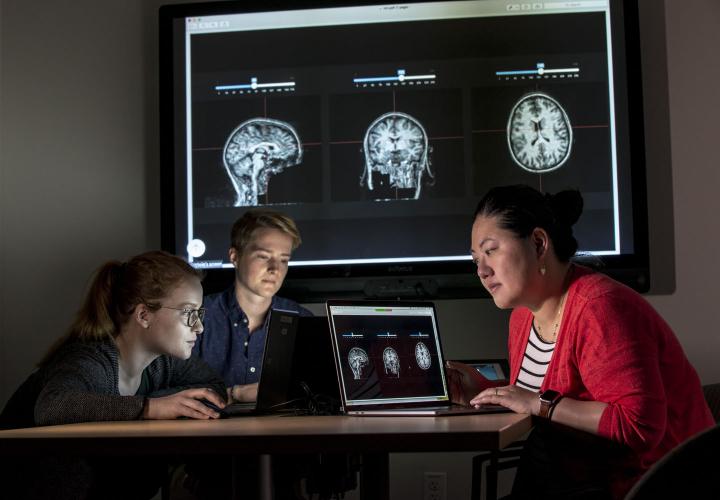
x: 357, y: 359
x: 422, y: 356
x: 396, y: 145
x: 539, y: 133
x: 255, y: 151
x: 391, y: 361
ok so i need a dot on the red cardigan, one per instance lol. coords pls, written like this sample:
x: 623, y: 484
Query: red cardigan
x: 614, y: 347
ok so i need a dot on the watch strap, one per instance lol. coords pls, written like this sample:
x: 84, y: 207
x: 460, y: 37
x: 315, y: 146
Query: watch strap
x: 553, y: 405
x: 544, y: 409
x: 548, y: 400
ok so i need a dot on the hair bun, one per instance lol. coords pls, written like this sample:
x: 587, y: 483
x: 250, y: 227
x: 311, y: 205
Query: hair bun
x: 567, y: 206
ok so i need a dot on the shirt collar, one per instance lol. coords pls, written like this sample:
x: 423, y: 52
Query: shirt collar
x: 233, y: 307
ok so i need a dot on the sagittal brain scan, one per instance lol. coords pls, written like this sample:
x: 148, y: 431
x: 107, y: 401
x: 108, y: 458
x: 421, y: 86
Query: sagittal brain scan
x: 422, y: 356
x: 357, y: 359
x: 396, y: 145
x: 391, y: 362
x: 539, y: 133
x: 255, y: 151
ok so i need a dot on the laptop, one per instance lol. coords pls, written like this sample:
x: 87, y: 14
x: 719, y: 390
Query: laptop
x: 313, y: 381
x: 492, y: 369
x: 389, y: 360
x: 275, y: 378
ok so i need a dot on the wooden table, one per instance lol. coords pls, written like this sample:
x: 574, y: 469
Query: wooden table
x: 373, y: 437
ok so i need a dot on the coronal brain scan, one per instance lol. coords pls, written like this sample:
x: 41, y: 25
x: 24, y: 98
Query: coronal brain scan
x: 255, y: 151
x: 422, y: 356
x: 539, y: 133
x: 396, y: 145
x: 357, y: 359
x: 391, y: 362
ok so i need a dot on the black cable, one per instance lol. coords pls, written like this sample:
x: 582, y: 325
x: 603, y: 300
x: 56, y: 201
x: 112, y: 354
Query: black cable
x: 285, y: 403
x: 319, y: 404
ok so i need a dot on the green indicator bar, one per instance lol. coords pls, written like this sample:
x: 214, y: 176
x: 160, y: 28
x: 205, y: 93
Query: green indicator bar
x: 382, y: 310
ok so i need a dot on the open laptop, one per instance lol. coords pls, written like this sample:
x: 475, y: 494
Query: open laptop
x: 492, y: 368
x: 389, y: 359
x: 275, y: 378
x: 314, y: 382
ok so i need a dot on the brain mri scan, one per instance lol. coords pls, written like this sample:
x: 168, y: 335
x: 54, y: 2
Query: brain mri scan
x: 255, y: 151
x: 422, y: 356
x: 391, y: 362
x: 396, y: 145
x: 357, y: 359
x: 539, y: 133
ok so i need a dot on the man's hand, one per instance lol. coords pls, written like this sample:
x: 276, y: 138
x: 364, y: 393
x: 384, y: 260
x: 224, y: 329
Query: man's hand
x: 465, y: 382
x: 244, y: 393
x: 185, y: 403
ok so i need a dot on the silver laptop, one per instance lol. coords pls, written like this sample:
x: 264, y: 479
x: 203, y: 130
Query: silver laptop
x: 389, y: 360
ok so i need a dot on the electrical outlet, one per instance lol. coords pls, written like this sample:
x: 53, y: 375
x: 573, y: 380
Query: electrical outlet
x: 435, y: 486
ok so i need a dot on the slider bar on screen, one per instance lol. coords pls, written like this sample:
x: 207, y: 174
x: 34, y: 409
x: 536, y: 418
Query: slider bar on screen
x: 392, y: 78
x: 420, y: 335
x: 387, y: 335
x: 254, y: 85
x: 539, y: 70
x: 401, y: 77
x: 352, y: 335
x: 536, y: 72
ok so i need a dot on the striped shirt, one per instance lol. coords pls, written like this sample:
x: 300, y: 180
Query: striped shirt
x: 538, y: 354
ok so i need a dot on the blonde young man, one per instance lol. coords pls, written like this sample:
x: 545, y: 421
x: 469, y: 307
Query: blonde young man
x: 236, y: 320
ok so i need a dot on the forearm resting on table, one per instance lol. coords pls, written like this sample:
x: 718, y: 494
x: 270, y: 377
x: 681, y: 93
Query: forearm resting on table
x: 243, y: 393
x: 581, y: 415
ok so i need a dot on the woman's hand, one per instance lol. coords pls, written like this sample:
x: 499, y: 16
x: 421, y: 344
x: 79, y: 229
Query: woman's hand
x: 512, y: 397
x: 244, y: 393
x: 465, y: 382
x: 184, y: 404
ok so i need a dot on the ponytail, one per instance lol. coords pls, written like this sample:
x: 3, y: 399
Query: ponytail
x: 93, y: 320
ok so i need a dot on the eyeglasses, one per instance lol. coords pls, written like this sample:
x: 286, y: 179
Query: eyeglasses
x: 192, y: 315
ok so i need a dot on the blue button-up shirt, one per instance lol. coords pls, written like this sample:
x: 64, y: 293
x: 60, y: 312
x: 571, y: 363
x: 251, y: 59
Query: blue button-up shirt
x: 226, y: 344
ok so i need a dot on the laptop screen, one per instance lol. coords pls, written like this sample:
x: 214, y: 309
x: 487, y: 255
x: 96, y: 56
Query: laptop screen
x: 387, y: 354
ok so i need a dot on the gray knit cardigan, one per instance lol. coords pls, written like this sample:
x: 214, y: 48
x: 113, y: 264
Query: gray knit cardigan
x: 80, y: 384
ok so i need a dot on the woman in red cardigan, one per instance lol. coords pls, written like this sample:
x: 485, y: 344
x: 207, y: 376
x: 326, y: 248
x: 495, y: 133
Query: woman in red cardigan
x: 590, y: 357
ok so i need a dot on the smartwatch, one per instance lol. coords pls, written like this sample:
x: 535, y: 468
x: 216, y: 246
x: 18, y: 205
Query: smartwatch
x: 548, y: 400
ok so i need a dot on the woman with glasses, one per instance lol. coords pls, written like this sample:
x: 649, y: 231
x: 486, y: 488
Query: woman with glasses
x: 125, y: 357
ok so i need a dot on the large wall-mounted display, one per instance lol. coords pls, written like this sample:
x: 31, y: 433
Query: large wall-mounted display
x: 379, y: 126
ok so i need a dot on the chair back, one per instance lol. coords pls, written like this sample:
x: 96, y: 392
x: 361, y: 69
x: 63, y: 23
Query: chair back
x: 688, y: 471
